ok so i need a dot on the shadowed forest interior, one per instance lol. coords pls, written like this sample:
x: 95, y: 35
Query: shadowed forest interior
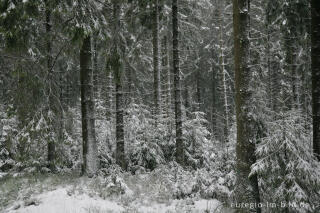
x: 160, y: 105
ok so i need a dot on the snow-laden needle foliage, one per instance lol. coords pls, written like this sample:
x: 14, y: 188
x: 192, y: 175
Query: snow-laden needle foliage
x: 180, y: 98
x: 288, y: 172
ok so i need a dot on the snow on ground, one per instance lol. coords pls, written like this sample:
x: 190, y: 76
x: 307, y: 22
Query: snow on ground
x: 180, y: 206
x: 60, y: 201
x: 146, y: 193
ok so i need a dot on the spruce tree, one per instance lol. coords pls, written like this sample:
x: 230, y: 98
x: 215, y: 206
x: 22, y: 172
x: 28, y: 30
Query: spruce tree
x: 247, y: 190
x: 315, y: 63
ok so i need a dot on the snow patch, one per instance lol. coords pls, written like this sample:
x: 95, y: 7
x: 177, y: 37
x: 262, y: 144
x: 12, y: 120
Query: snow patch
x: 59, y: 201
x: 3, y: 174
x: 182, y: 206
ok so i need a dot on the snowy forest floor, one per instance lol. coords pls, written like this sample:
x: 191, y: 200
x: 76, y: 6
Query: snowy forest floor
x: 52, y: 193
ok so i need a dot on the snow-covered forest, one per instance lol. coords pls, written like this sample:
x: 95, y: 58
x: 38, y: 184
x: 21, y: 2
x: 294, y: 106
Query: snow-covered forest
x: 159, y: 106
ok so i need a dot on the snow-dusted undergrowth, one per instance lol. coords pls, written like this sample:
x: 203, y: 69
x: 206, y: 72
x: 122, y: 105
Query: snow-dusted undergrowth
x: 142, y: 193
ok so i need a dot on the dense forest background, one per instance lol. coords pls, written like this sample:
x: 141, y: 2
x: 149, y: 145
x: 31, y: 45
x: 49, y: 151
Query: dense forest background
x: 218, y: 88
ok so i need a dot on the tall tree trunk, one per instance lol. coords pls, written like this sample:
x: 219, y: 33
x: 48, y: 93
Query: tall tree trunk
x: 290, y: 69
x: 315, y: 66
x: 116, y: 65
x: 90, y: 163
x: 61, y: 111
x: 156, y: 59
x: 167, y: 76
x: 268, y: 49
x: 109, y: 91
x: 224, y: 83
x: 247, y: 190
x: 95, y: 66
x: 109, y: 101
x: 225, y: 105
x: 177, y: 89
x: 120, y: 149
x: 214, y: 100
x: 290, y: 42
x: 51, y: 143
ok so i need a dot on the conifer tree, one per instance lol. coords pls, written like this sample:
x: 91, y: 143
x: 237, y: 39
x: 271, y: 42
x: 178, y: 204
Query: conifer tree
x: 177, y: 86
x: 315, y: 54
x: 90, y: 164
x: 246, y: 186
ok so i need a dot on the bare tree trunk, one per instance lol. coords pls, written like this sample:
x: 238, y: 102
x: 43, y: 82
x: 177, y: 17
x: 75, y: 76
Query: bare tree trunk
x: 315, y: 66
x: 268, y: 54
x: 177, y: 87
x: 95, y: 66
x: 90, y: 163
x: 224, y: 83
x: 226, y: 106
x: 118, y: 72
x: 109, y: 91
x: 51, y: 144
x: 290, y: 37
x: 156, y: 59
x: 120, y: 149
x: 247, y: 190
x: 214, y: 99
x: 167, y: 77
x: 291, y: 70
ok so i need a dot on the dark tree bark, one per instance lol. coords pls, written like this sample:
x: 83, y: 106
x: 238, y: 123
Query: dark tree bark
x: 95, y: 66
x: 214, y: 100
x: 247, y: 190
x: 268, y: 55
x: 51, y: 144
x: 118, y: 72
x: 156, y: 59
x: 109, y: 91
x: 290, y: 58
x: 273, y: 64
x: 315, y: 66
x: 90, y: 163
x: 290, y: 32
x: 177, y: 87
